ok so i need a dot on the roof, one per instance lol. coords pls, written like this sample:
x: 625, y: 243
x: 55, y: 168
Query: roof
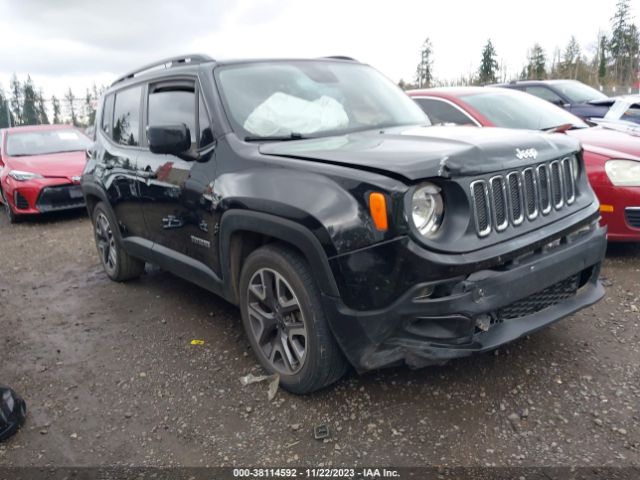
x: 449, y: 91
x: 533, y: 82
x: 182, y: 63
x: 36, y: 128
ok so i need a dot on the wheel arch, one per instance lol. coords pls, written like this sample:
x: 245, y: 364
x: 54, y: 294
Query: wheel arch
x: 241, y: 232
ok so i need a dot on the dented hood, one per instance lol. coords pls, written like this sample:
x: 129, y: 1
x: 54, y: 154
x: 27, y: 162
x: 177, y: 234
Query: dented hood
x: 421, y: 152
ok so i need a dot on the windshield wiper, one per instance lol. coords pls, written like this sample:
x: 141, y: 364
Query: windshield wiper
x: 281, y: 138
x: 560, y: 128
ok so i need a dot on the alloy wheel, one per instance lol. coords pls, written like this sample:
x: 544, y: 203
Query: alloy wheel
x: 277, y: 321
x: 106, y: 243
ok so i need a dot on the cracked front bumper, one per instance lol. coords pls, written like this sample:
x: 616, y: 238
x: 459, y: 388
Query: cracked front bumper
x: 480, y: 311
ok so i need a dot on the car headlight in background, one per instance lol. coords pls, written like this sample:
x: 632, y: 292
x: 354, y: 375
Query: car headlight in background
x: 427, y: 209
x: 623, y: 173
x: 23, y: 176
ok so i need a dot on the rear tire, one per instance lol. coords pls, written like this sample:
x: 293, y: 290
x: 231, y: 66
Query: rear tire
x: 117, y: 263
x: 283, y: 317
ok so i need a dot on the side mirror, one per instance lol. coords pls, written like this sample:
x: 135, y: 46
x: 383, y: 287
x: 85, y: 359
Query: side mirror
x: 169, y: 139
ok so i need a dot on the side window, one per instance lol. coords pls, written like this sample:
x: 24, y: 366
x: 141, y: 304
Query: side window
x: 440, y: 112
x: 173, y: 104
x: 544, y: 93
x: 107, y: 114
x: 126, y: 117
x: 206, y: 135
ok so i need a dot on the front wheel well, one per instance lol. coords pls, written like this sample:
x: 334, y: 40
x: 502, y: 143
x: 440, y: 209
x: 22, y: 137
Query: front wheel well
x: 91, y: 201
x: 241, y: 245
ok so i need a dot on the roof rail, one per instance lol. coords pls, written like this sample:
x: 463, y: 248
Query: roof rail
x: 166, y: 63
x: 341, y: 57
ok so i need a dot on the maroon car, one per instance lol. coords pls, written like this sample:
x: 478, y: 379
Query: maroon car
x: 40, y: 169
x: 612, y: 158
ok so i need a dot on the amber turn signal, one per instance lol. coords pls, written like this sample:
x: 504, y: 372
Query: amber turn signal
x: 606, y: 208
x: 378, y: 209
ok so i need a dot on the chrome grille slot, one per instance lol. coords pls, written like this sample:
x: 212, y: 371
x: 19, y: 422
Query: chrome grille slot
x: 569, y: 184
x: 481, y: 213
x: 519, y: 195
x: 515, y: 197
x: 544, y: 186
x: 557, y: 187
x: 530, y: 193
x: 499, y: 203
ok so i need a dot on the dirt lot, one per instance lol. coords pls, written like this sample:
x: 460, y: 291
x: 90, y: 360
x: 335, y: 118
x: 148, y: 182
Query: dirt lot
x: 110, y: 378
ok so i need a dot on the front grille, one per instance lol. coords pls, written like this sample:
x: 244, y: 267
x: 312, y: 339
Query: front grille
x: 544, y: 299
x: 511, y: 197
x: 633, y: 216
x: 60, y: 198
x: 21, y: 202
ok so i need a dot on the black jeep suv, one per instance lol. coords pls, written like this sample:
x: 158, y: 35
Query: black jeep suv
x: 314, y: 195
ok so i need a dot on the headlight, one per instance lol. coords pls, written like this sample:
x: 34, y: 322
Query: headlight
x: 23, y: 176
x: 427, y: 209
x: 623, y: 173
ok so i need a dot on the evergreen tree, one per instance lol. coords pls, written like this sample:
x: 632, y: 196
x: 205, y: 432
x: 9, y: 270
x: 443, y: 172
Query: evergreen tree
x: 16, y: 100
x: 89, y: 108
x: 536, y: 68
x: 5, y: 112
x: 70, y: 100
x: 488, y: 65
x: 42, y: 109
x: 571, y: 59
x: 30, y: 114
x: 55, y: 106
x: 424, y: 74
x: 602, y: 61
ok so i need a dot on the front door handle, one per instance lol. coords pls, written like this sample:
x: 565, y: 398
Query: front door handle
x: 148, y: 174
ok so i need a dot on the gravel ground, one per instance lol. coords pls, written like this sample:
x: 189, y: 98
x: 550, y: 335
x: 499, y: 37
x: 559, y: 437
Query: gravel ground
x: 111, y: 378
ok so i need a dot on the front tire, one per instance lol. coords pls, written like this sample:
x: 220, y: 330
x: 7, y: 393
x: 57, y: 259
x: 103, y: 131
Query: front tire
x: 117, y: 263
x: 11, y: 215
x: 283, y: 317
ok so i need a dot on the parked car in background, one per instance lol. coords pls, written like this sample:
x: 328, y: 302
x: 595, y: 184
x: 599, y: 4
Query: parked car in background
x: 314, y: 195
x: 40, y: 169
x: 576, y: 97
x: 623, y: 115
x: 612, y: 158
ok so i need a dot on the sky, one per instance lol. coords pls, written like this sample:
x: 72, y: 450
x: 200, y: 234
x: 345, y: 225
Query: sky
x: 75, y: 43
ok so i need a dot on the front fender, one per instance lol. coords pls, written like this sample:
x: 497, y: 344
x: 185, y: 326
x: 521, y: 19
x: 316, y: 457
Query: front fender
x: 286, y: 230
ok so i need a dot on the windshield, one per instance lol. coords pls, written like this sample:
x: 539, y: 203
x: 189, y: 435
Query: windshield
x: 578, y: 92
x: 45, y: 142
x: 271, y: 99
x: 513, y: 109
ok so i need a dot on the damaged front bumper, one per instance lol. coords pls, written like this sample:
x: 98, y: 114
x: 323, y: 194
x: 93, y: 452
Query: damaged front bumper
x: 456, y: 317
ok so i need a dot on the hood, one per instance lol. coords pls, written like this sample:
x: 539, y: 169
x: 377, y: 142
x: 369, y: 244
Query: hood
x: 607, y: 142
x: 421, y: 152
x: 66, y: 164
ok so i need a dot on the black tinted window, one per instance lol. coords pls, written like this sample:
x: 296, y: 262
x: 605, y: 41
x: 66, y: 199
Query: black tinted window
x: 442, y: 112
x: 107, y: 114
x: 126, y: 118
x: 173, y: 107
x: 206, y: 135
x: 544, y: 93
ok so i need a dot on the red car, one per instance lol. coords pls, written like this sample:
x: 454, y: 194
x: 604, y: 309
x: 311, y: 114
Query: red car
x: 612, y: 158
x: 40, y: 168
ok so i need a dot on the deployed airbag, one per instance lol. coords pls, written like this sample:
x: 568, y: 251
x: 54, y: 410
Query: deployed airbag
x: 282, y: 114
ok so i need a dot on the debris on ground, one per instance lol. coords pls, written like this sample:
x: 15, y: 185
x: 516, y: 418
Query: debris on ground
x: 274, y: 381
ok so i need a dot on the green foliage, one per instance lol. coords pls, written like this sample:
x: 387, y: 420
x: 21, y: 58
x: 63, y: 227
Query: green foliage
x: 30, y: 114
x: 6, y: 117
x: 70, y: 100
x: 536, y: 66
x: 424, y: 73
x: 16, y: 100
x: 489, y: 65
x: 55, y: 106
